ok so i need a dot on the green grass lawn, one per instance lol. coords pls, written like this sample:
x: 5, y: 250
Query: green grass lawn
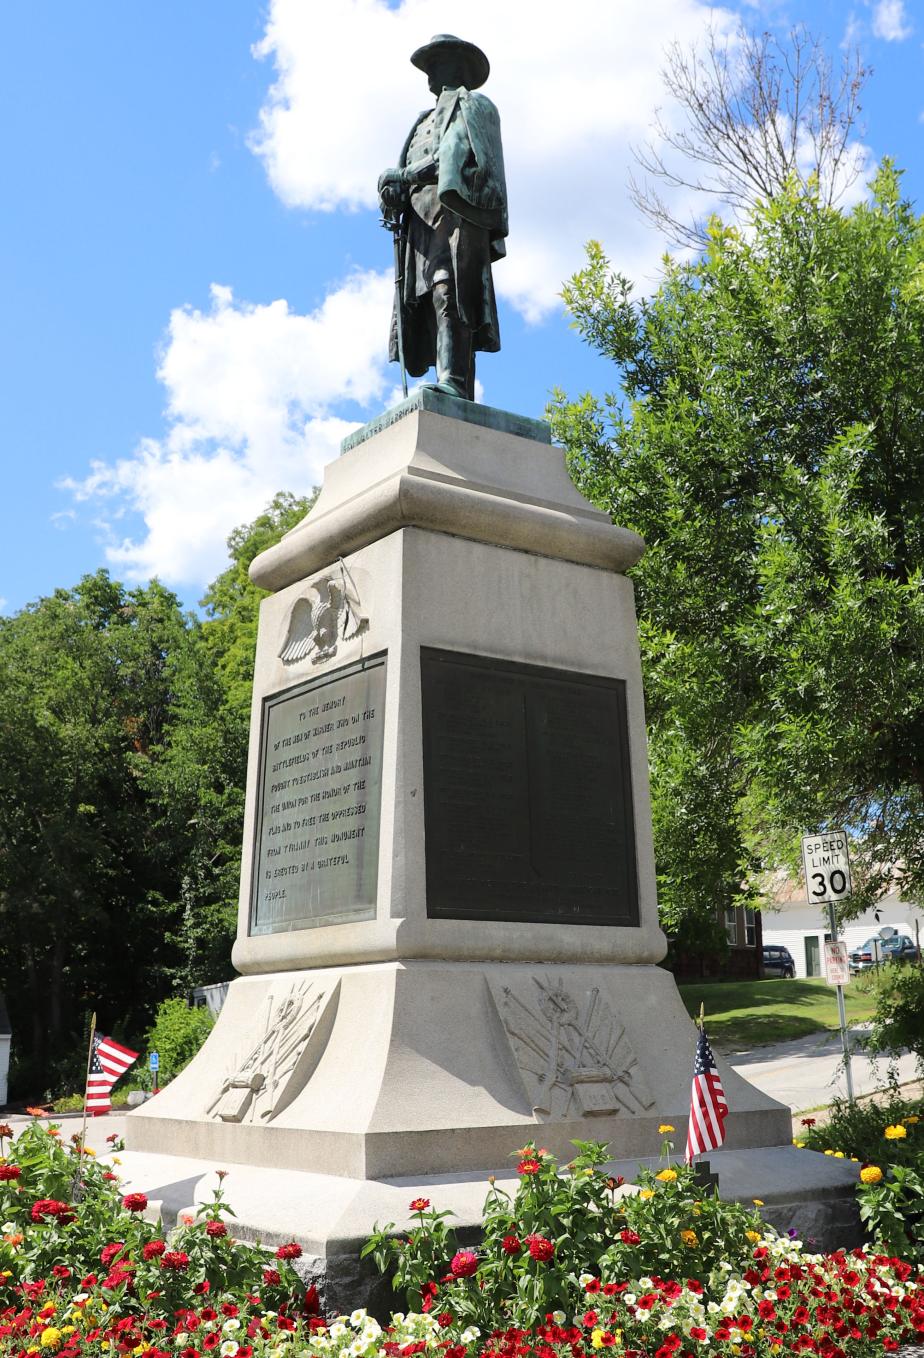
x: 743, y: 1014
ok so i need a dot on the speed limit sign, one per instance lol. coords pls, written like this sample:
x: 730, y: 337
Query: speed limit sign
x: 827, y: 867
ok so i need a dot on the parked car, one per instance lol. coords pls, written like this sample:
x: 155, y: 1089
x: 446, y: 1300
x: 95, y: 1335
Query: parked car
x: 898, y: 948
x: 777, y: 961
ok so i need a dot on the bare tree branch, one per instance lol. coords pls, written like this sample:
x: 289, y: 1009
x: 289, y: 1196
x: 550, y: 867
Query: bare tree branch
x: 759, y: 113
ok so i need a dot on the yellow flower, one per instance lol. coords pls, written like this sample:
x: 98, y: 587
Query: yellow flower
x: 800, y: 1144
x: 646, y: 1193
x: 689, y: 1238
x: 753, y: 1236
x: 912, y: 1119
x: 51, y: 1338
x: 596, y: 1338
x: 88, y: 1150
x: 666, y: 1127
x: 667, y: 1176
x: 870, y: 1174
x: 896, y: 1132
x: 838, y: 1155
x: 758, y: 1202
x: 829, y: 1152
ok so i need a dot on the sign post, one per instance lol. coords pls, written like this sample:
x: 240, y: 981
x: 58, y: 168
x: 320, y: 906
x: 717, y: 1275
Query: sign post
x: 154, y: 1064
x: 826, y: 862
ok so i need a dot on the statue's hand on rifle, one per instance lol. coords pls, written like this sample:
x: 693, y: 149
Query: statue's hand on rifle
x: 393, y: 194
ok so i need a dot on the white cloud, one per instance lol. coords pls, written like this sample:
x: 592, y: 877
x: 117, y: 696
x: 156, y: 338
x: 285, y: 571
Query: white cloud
x: 576, y: 88
x: 250, y: 396
x: 890, y: 21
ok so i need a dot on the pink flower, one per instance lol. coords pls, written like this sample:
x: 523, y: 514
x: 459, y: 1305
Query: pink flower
x: 463, y: 1264
x: 540, y: 1249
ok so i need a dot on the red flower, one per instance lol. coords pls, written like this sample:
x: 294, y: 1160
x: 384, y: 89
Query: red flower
x: 630, y: 1237
x: 511, y: 1244
x: 540, y: 1249
x: 10, y: 1171
x: 419, y: 1205
x: 134, y: 1202
x: 528, y: 1167
x: 153, y: 1249
x: 463, y: 1264
x: 272, y: 1277
x: 109, y: 1252
x: 216, y: 1228
x: 290, y: 1251
x: 175, y: 1260
x: 110, y: 1177
x: 61, y: 1271
x: 766, y: 1310
x: 444, y: 1319
x: 51, y: 1207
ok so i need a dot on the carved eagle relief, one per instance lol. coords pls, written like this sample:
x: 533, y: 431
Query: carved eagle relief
x: 329, y: 613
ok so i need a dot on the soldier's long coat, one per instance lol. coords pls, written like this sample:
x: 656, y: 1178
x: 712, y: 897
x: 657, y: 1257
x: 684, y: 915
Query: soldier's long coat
x: 471, y: 185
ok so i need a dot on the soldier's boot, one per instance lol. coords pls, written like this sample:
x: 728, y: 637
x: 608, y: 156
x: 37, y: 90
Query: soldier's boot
x: 455, y: 361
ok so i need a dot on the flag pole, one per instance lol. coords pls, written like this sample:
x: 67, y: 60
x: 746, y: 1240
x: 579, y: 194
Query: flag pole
x: 86, y: 1084
x: 702, y: 1016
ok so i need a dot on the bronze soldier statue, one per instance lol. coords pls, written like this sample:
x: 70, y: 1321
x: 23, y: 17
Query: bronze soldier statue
x: 447, y: 199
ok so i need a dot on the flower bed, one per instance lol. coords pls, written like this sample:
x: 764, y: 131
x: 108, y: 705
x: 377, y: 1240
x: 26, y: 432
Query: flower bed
x: 570, y: 1264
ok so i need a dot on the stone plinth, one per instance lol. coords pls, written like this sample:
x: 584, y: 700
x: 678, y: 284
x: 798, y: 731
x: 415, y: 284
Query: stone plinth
x: 448, y: 924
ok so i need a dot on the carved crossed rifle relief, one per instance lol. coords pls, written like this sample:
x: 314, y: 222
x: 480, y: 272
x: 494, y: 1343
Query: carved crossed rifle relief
x: 573, y: 1054
x: 273, y: 1071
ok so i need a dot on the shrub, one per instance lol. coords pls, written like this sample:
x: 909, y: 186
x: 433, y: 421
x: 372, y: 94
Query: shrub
x: 559, y: 1226
x: 858, y: 1129
x: 177, y: 1034
x: 898, y: 1022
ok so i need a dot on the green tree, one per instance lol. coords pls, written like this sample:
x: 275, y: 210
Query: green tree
x: 197, y: 782
x: 84, y: 699
x: 768, y: 443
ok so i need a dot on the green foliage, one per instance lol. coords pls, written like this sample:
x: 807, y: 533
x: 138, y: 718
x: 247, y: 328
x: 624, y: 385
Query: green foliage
x: 898, y: 1023
x: 558, y: 1227
x: 767, y: 443
x: 66, y: 1210
x: 123, y: 751
x: 178, y: 1032
x: 858, y: 1129
x: 892, y: 1211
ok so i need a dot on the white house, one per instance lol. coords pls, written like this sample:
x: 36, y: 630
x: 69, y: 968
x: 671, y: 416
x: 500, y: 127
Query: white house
x: 803, y: 928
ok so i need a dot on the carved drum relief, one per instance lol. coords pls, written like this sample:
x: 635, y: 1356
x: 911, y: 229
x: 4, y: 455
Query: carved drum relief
x: 573, y: 1054
x: 280, y: 1060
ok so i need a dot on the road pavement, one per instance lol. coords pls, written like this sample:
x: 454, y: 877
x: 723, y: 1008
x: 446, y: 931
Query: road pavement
x: 808, y: 1072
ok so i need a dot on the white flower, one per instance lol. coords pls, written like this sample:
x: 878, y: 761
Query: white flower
x: 630, y: 1298
x: 584, y: 1279
x: 181, y: 1339
x: 645, y: 1284
x: 470, y: 1335
x: 231, y: 1325
x: 357, y: 1317
x: 229, y: 1348
x: 559, y: 1317
x: 712, y: 1307
x: 337, y: 1331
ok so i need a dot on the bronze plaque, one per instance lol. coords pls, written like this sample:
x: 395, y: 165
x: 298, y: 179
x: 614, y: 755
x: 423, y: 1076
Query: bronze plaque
x: 527, y: 793
x: 317, y: 834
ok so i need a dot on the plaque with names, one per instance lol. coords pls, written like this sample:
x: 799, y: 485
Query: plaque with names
x: 319, y: 801
x: 527, y: 793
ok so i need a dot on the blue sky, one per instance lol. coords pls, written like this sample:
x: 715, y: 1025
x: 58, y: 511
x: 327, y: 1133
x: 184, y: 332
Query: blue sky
x: 194, y: 281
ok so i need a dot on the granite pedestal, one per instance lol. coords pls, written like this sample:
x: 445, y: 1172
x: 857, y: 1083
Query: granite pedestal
x: 448, y: 932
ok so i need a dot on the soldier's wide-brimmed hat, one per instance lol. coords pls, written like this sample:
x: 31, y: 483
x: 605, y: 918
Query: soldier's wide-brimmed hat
x: 476, y: 64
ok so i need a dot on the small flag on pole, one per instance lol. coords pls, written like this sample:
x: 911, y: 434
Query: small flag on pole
x: 108, y: 1060
x: 708, y: 1109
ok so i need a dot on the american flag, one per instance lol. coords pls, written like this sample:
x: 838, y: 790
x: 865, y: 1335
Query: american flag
x: 108, y: 1060
x: 708, y: 1109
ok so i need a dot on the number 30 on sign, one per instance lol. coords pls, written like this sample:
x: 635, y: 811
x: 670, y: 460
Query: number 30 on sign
x: 827, y: 866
